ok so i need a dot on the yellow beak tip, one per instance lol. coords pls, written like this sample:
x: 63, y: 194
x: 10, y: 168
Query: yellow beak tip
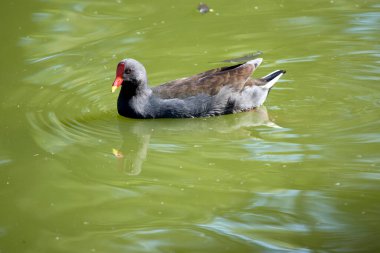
x: 114, y: 88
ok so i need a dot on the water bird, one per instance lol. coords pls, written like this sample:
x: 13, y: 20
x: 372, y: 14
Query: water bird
x: 215, y: 92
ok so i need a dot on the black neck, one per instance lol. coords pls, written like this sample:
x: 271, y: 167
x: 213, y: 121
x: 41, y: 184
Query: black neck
x: 128, y: 92
x: 131, y: 89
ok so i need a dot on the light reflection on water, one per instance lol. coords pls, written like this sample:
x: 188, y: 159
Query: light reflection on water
x: 55, y: 135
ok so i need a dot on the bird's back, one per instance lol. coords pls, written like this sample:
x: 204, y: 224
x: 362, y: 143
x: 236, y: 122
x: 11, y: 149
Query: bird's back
x: 209, y: 82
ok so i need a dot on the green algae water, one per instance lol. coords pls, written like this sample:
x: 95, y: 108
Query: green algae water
x: 300, y: 174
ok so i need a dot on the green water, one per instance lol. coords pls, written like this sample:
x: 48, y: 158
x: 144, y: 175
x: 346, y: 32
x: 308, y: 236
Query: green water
x: 299, y: 175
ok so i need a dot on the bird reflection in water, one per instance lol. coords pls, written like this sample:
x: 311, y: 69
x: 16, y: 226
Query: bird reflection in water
x: 136, y: 134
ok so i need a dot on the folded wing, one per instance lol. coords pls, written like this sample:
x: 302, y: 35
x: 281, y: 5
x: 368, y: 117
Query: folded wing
x: 209, y: 82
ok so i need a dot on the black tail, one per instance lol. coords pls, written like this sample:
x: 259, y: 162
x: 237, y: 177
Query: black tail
x: 273, y: 75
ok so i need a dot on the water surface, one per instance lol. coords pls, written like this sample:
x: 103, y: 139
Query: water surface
x: 298, y: 175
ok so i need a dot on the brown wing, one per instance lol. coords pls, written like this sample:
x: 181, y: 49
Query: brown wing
x: 256, y: 82
x: 209, y: 82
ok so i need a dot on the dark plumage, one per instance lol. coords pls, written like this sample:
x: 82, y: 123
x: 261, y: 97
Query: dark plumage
x: 214, y: 92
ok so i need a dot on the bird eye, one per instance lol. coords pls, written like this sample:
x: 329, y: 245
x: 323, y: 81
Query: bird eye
x: 127, y: 71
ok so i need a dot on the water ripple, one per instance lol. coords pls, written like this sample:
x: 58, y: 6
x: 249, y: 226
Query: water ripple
x: 54, y: 134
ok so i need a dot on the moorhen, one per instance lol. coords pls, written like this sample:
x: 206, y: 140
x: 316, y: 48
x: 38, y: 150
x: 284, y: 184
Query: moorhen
x: 215, y: 92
